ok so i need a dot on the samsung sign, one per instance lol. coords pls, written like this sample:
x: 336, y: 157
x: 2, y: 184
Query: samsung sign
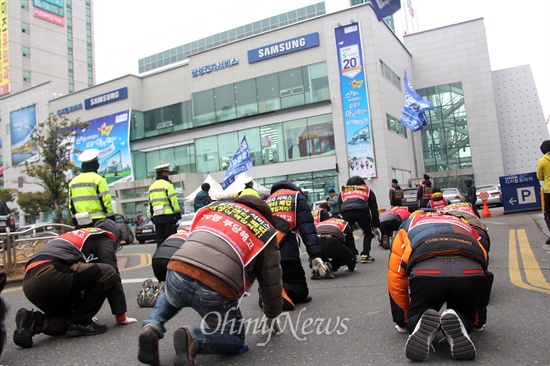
x: 214, y: 67
x: 283, y: 48
x: 106, y: 98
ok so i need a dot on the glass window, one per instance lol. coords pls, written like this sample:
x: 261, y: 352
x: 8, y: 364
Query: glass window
x: 26, y: 76
x: 224, y: 98
x: 254, y: 143
x: 296, y: 139
x: 268, y: 93
x: 139, y: 165
x: 137, y: 125
x: 317, y: 81
x: 228, y: 143
x: 151, y: 119
x: 395, y: 126
x: 271, y: 137
x: 19, y: 182
x: 291, y: 88
x: 24, y: 4
x: 204, y: 112
x: 245, y: 96
x: 26, y: 51
x: 207, y: 156
x: 25, y: 28
x: 185, y: 158
x: 320, y: 136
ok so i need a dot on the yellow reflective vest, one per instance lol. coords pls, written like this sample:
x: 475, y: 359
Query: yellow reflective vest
x: 89, y: 192
x: 162, y: 193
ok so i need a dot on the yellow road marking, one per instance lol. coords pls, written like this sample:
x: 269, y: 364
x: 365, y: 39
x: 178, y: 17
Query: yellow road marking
x: 144, y: 261
x: 533, y: 274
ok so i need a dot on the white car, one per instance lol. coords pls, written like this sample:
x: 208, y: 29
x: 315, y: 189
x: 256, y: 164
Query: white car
x: 495, y: 195
x: 453, y: 195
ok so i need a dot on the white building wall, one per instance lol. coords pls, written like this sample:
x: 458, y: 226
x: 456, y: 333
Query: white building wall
x: 459, y: 53
x: 519, y: 111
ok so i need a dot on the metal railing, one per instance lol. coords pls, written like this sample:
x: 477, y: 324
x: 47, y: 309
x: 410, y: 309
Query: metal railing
x: 16, y: 247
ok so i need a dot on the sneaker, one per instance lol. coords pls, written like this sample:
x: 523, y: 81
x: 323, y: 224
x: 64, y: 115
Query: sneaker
x: 328, y: 272
x: 479, y: 329
x: 367, y: 259
x: 161, y: 287
x: 420, y: 340
x: 288, y: 304
x: 148, y: 287
x: 148, y: 352
x: 351, y: 265
x: 462, y: 347
x: 85, y: 329
x: 186, y: 349
x: 386, y: 242
x: 25, y: 328
x: 315, y: 275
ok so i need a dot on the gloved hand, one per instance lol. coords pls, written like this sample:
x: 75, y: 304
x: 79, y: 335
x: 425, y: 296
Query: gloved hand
x: 319, y: 266
x: 270, y: 324
x: 377, y: 233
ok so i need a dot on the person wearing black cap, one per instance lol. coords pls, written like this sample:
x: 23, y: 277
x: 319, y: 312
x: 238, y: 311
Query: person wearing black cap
x: 396, y: 194
x: 543, y: 174
x: 472, y: 197
x: 89, y: 196
x: 425, y: 191
x: 163, y: 204
x: 202, y: 198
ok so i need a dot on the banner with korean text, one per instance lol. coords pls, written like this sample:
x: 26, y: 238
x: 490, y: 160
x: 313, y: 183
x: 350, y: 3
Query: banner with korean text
x: 355, y: 102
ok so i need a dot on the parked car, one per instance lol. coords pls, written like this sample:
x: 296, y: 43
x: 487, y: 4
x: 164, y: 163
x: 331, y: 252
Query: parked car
x: 39, y: 230
x: 6, y: 219
x: 145, y: 231
x: 186, y: 221
x: 495, y: 195
x: 409, y: 199
x: 126, y: 234
x: 453, y: 195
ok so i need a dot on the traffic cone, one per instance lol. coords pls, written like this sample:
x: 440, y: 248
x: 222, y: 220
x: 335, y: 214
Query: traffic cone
x: 485, y: 212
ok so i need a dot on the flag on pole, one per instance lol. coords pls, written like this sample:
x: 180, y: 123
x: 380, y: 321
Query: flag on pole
x: 240, y: 163
x: 385, y: 8
x: 413, y: 115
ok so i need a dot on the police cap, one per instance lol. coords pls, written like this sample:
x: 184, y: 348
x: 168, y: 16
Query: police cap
x: 88, y: 155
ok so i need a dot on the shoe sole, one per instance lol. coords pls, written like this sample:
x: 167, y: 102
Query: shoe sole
x: 147, y: 351
x: 418, y: 344
x: 79, y: 333
x: 21, y: 336
x: 462, y: 347
x: 181, y: 347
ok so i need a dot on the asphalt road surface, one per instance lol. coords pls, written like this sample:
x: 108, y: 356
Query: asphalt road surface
x: 347, y: 323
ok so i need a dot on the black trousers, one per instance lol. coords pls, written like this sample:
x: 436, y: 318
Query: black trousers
x: 75, y: 292
x: 336, y: 253
x: 547, y: 210
x: 163, y: 231
x: 389, y: 226
x: 362, y: 218
x: 294, y: 281
x: 160, y: 267
x: 461, y: 291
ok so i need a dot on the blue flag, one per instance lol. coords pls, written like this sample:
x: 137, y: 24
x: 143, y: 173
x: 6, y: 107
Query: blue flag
x: 413, y: 115
x: 385, y: 8
x: 240, y: 163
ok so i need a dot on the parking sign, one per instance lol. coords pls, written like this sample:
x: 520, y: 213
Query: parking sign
x: 520, y: 192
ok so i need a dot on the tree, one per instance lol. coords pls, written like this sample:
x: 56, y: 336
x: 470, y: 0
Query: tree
x: 33, y: 203
x: 8, y: 194
x: 53, y: 140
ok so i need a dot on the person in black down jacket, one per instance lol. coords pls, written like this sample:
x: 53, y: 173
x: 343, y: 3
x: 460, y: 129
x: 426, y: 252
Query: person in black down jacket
x: 358, y: 205
x: 289, y: 203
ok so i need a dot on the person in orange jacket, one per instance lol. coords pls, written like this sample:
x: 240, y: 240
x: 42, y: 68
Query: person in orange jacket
x: 438, y: 258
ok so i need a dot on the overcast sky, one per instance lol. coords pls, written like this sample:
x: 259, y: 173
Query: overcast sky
x: 518, y: 31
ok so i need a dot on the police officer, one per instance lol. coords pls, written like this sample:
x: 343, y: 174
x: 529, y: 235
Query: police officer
x: 249, y: 188
x: 163, y: 204
x: 89, y: 196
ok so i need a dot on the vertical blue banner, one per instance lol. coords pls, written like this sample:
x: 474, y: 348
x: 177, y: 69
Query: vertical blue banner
x: 22, y: 122
x: 240, y: 163
x: 355, y: 102
x: 110, y: 135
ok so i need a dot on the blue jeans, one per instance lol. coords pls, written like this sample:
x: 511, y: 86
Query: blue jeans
x: 221, y: 330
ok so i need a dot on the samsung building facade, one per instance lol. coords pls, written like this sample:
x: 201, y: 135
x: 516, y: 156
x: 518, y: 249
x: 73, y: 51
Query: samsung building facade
x: 319, y: 100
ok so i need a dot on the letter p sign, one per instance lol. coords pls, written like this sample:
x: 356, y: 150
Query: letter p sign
x: 526, y: 195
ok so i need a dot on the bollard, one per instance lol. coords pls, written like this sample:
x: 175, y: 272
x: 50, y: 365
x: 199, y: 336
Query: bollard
x: 485, y: 212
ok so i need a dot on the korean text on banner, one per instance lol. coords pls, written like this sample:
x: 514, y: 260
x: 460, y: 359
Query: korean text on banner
x: 385, y: 8
x: 413, y: 115
x: 240, y: 163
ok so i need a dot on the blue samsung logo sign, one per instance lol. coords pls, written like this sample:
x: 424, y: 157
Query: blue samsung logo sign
x: 283, y: 47
x: 106, y: 98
